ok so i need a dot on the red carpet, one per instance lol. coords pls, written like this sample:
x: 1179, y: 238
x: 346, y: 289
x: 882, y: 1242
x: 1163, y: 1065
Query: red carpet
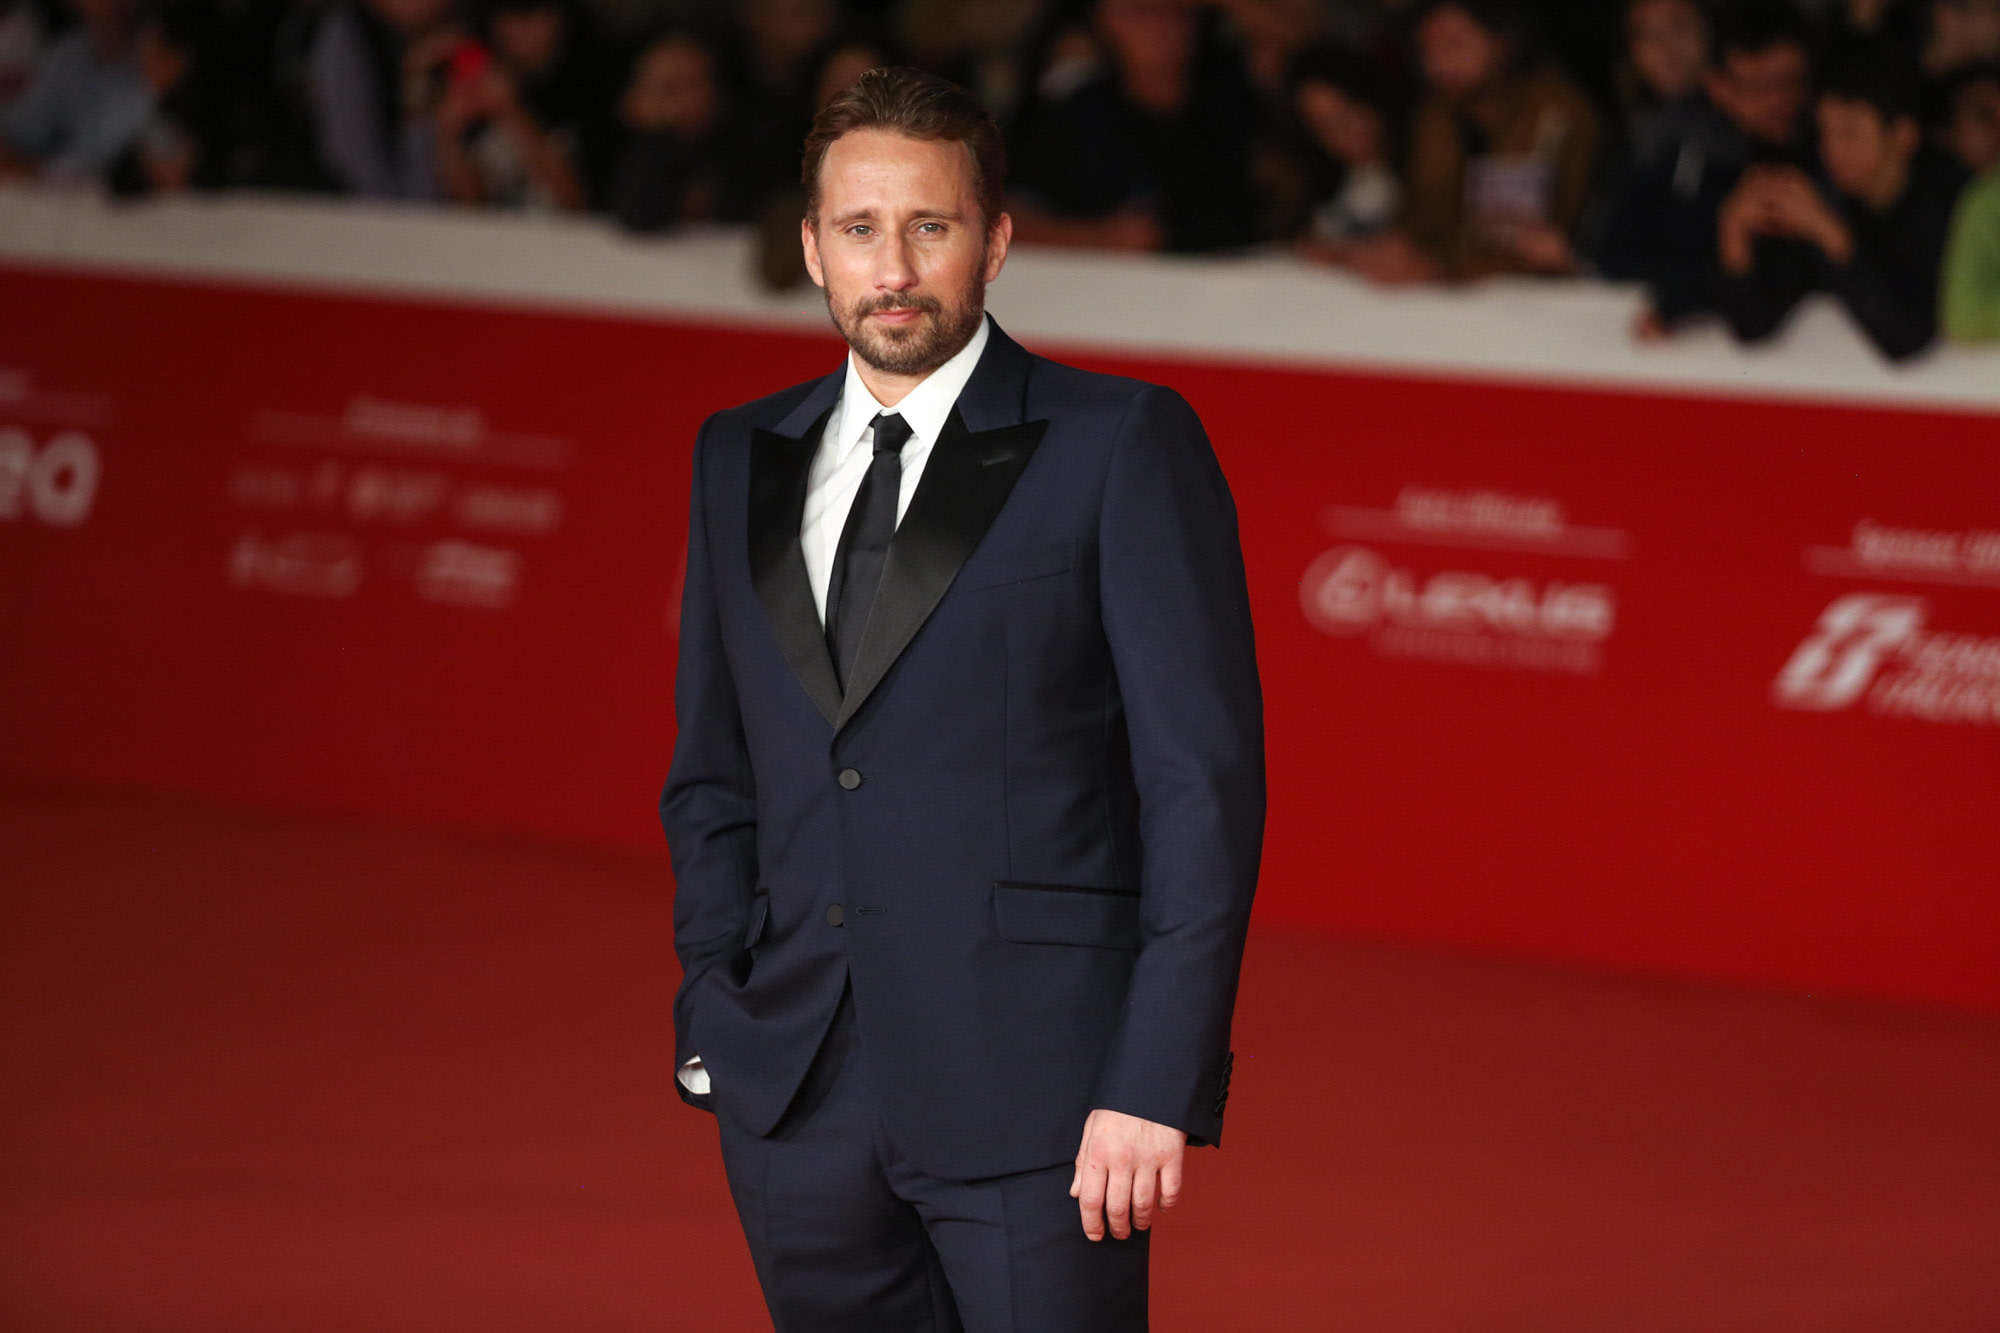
x: 270, y: 1073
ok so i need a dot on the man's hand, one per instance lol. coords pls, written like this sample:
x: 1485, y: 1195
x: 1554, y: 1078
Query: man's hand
x: 1798, y: 209
x: 1126, y: 1168
x: 1649, y: 327
x: 422, y: 61
x: 1779, y: 201
x: 1543, y: 247
x: 1393, y: 260
x: 1745, y: 215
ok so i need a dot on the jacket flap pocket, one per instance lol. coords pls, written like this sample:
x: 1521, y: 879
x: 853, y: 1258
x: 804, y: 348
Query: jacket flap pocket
x: 1066, y: 914
x: 1000, y: 568
x: 760, y: 910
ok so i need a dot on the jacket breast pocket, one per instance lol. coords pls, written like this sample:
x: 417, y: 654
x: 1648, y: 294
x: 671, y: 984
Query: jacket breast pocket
x: 1066, y: 914
x: 1003, y: 569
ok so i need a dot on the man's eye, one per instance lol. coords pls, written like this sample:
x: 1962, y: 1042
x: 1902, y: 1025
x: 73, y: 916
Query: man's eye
x: 931, y: 228
x: 859, y: 229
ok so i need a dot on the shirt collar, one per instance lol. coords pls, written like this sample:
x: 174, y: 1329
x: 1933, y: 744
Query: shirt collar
x: 926, y: 408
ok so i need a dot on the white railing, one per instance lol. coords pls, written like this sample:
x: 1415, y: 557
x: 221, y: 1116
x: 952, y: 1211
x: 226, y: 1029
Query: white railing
x: 1263, y: 308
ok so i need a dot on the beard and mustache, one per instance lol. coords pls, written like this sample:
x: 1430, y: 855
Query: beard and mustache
x: 920, y: 347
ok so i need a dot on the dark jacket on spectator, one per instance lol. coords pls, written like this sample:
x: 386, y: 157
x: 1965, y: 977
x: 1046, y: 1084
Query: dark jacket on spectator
x: 1889, y: 285
x: 1658, y: 223
x: 663, y: 179
x: 572, y: 103
x: 370, y: 146
x: 1095, y: 153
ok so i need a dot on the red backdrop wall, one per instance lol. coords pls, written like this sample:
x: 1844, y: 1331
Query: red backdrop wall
x: 1700, y: 685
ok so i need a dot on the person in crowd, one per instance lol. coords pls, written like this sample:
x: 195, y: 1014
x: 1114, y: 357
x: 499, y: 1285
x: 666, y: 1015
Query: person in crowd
x: 521, y: 123
x: 247, y: 97
x: 840, y: 65
x: 86, y: 102
x: 379, y: 70
x: 181, y: 142
x: 773, y: 70
x: 1151, y: 150
x: 1960, y: 34
x: 829, y: 71
x: 1583, y: 38
x: 1346, y: 116
x: 685, y: 157
x: 773, y: 66
x: 1893, y: 29
x: 987, y: 46
x: 1273, y: 35
x: 1666, y: 59
x: 1669, y: 52
x: 1658, y: 222
x: 1502, y: 150
x: 1971, y: 295
x: 780, y: 40
x: 1971, y: 128
x: 1288, y: 170
x: 21, y: 41
x: 1871, y: 231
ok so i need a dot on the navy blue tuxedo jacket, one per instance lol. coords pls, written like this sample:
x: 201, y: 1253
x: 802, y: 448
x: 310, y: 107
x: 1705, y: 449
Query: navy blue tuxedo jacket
x: 1028, y: 833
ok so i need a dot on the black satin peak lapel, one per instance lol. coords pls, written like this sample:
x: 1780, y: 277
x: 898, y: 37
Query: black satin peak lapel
x: 779, y: 466
x: 966, y: 481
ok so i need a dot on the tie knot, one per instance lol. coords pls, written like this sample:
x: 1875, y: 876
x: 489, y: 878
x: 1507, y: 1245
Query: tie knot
x: 891, y: 433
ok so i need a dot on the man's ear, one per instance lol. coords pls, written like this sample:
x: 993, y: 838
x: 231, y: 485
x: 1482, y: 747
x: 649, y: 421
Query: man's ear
x: 809, y: 240
x: 998, y: 237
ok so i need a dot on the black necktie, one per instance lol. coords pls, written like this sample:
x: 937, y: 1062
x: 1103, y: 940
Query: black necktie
x: 864, y: 546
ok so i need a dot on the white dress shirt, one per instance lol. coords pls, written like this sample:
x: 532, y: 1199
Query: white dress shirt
x: 846, y: 448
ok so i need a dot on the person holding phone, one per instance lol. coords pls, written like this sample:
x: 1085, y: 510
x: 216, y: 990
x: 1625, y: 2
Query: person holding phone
x: 522, y: 122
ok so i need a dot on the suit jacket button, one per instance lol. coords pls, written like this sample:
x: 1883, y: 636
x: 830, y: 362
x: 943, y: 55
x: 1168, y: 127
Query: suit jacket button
x: 850, y: 778
x: 834, y: 916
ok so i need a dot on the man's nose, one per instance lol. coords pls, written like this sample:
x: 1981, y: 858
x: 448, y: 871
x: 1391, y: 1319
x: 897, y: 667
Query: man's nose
x: 894, y: 272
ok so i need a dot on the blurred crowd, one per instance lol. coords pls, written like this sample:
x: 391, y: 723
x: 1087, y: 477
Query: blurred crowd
x: 1730, y: 155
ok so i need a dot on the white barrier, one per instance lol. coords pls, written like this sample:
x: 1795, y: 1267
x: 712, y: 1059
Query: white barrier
x: 1268, y: 308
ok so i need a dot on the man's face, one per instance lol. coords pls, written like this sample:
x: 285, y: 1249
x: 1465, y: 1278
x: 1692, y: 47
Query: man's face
x: 529, y: 39
x: 1862, y: 151
x: 1668, y: 42
x: 1763, y: 92
x: 1458, y: 55
x: 1148, y: 36
x: 673, y: 88
x: 161, y: 63
x: 901, y: 250
x: 1974, y: 133
x: 1963, y: 32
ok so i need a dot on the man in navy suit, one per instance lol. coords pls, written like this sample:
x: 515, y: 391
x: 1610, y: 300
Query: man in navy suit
x: 968, y: 796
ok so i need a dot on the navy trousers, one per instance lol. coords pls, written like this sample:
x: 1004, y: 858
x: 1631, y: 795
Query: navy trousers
x: 847, y: 1235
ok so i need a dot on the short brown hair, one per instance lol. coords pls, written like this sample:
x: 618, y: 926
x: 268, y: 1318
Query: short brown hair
x: 921, y: 106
